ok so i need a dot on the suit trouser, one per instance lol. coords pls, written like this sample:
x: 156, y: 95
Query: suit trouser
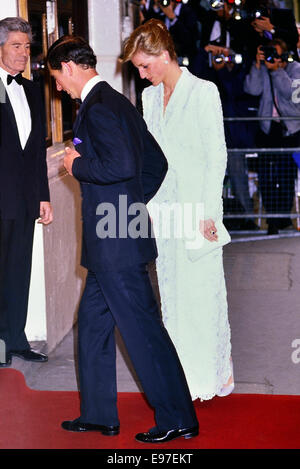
x: 16, y: 241
x: 125, y: 299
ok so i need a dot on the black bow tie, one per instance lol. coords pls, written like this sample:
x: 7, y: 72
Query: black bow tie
x: 18, y: 79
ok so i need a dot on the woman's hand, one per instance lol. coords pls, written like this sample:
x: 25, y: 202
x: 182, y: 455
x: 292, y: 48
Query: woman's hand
x: 208, y: 229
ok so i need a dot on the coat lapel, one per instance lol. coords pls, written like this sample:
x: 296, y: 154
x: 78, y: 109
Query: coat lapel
x: 34, y: 114
x: 11, y: 114
x: 84, y: 107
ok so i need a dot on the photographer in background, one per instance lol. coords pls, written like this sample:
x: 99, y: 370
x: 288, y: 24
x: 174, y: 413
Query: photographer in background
x: 271, y: 23
x: 219, y: 27
x: 271, y: 77
x: 149, y: 9
x: 181, y: 22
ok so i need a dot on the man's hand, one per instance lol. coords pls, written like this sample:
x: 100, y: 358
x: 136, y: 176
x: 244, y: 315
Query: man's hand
x: 70, y: 156
x: 262, y: 24
x: 215, y: 50
x: 218, y: 50
x: 46, y: 213
x: 168, y: 11
x: 260, y: 57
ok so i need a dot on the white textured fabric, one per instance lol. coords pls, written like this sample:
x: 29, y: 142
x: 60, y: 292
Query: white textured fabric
x: 89, y: 86
x: 20, y: 107
x: 193, y: 294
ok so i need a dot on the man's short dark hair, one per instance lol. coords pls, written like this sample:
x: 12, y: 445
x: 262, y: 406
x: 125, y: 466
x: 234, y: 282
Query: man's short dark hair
x: 71, y: 48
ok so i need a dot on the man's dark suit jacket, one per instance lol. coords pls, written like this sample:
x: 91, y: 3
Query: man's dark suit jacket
x: 119, y: 157
x: 23, y: 173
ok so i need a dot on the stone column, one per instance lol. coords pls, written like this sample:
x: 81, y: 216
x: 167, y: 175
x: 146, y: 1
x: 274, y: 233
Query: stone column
x: 8, y: 9
x: 105, y: 31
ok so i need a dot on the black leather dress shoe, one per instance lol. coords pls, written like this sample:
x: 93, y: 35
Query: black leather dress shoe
x: 77, y: 426
x: 162, y: 437
x: 30, y: 355
x: 7, y: 361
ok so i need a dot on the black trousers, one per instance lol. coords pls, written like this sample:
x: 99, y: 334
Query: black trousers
x: 16, y: 241
x: 125, y: 299
x: 277, y: 173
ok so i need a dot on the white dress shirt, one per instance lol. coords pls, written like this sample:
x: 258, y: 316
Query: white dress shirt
x: 20, y: 106
x: 215, y: 34
x: 89, y: 85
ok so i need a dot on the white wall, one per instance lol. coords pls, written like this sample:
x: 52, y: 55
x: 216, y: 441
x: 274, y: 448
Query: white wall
x: 8, y: 8
x: 105, y: 38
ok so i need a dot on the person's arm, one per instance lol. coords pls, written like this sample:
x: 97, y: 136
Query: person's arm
x: 283, y: 81
x: 184, y: 30
x: 154, y: 167
x: 284, y: 25
x: 211, y: 129
x: 253, y: 83
x: 111, y: 159
x: 42, y: 151
x: 46, y: 211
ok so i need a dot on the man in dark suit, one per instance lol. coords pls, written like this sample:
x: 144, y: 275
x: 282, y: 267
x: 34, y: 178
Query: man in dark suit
x: 24, y: 191
x: 120, y: 167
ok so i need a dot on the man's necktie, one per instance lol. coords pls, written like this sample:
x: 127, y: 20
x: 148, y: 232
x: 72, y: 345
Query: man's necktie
x: 18, y: 79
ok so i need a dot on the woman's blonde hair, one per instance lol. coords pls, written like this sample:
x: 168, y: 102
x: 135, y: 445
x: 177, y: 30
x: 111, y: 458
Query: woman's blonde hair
x: 152, y: 38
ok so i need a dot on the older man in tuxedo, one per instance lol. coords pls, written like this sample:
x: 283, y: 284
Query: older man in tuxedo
x: 120, y: 167
x: 24, y: 191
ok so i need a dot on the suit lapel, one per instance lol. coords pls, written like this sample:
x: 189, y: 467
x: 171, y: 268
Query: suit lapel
x: 11, y: 114
x: 78, y: 118
x: 84, y: 106
x: 34, y: 114
x: 7, y: 107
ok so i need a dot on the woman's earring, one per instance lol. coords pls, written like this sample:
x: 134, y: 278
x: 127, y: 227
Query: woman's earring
x: 166, y: 62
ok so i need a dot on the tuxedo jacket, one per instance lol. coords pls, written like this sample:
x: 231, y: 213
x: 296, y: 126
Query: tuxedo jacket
x: 23, y: 172
x: 121, y: 164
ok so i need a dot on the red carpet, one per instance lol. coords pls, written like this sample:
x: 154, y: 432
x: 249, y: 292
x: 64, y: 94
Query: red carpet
x: 31, y: 419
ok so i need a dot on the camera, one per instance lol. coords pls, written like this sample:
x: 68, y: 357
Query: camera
x: 166, y: 3
x: 239, y: 13
x: 219, y: 4
x: 163, y: 3
x: 232, y: 58
x: 271, y: 53
x: 256, y: 14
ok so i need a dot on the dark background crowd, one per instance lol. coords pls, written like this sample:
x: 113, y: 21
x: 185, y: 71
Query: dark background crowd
x: 250, y: 50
